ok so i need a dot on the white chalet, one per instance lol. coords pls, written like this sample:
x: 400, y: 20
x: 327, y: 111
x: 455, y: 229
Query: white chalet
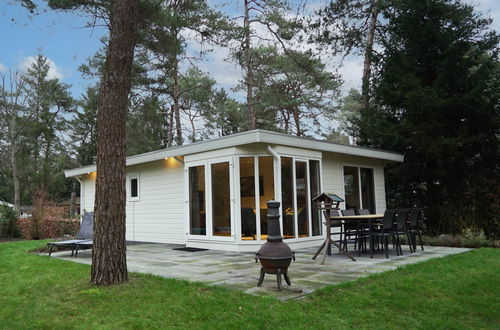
x: 213, y: 194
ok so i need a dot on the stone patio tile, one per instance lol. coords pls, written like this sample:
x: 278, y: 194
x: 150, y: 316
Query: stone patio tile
x: 240, y: 272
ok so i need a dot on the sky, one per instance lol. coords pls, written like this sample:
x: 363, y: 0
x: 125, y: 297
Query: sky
x: 63, y: 38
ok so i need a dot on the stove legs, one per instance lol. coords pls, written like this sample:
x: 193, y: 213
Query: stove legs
x: 262, y: 274
x: 278, y: 278
x: 287, y: 279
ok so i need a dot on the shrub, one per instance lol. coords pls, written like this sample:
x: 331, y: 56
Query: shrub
x: 48, y: 220
x: 8, y: 225
x: 48, y: 227
x: 469, y: 238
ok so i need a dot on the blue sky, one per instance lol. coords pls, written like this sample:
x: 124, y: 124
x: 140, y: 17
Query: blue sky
x: 62, y: 38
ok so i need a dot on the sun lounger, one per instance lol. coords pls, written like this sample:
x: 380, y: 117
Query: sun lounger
x: 84, y: 234
x: 83, y: 245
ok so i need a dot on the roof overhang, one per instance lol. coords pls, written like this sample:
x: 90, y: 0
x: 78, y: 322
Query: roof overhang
x: 255, y: 136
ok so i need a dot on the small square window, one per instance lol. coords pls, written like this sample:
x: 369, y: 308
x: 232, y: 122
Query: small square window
x: 133, y: 187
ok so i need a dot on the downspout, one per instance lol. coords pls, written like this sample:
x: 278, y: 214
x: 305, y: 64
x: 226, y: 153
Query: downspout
x: 82, y: 196
x: 277, y: 187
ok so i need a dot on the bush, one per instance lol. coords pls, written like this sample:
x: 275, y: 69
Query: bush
x: 8, y: 225
x: 469, y: 239
x: 48, y: 220
x: 48, y: 227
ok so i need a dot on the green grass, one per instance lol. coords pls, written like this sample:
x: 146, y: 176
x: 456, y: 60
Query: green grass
x: 456, y: 292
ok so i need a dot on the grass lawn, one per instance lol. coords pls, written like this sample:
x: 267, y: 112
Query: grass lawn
x: 456, y: 292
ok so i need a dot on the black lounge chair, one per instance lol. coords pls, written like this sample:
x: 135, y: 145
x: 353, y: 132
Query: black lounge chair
x: 84, y: 234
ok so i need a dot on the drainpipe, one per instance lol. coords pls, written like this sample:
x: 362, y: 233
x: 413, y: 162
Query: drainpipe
x: 277, y: 188
x: 82, y: 195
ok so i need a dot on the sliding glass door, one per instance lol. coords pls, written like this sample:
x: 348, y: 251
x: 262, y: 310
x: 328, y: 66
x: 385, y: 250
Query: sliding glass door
x: 221, y: 199
x: 210, y: 202
x: 359, y: 188
x: 256, y: 188
x: 300, y: 182
x: 197, y: 211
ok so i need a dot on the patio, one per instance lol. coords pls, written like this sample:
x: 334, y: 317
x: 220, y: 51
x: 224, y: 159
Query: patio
x: 239, y: 270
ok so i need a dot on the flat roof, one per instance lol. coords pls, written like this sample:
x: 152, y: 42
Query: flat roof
x: 248, y: 137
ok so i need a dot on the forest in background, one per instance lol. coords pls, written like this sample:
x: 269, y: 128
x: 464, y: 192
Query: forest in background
x: 430, y: 91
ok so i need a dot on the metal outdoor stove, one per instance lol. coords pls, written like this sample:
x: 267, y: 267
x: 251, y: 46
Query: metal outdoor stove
x: 275, y: 256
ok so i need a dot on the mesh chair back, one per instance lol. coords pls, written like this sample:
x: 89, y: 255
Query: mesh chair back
x: 335, y: 213
x: 414, y: 214
x: 388, y: 220
x: 348, y: 212
x: 401, y: 218
x: 363, y: 211
x: 86, y: 226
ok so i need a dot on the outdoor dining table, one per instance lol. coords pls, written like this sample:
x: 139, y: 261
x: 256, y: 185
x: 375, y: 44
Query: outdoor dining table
x: 370, y: 218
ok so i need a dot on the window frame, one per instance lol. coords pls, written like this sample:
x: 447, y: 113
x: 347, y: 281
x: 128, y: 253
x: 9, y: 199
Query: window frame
x: 130, y: 177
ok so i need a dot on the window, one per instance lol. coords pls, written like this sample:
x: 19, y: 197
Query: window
x: 197, y: 216
x: 287, y: 197
x: 315, y: 187
x: 301, y: 187
x: 133, y: 187
x: 367, y: 189
x: 255, y: 190
x: 221, y: 200
x: 351, y: 188
x: 359, y: 188
x: 247, y: 199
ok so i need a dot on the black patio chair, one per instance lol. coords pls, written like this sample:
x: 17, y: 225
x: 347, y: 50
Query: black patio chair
x: 402, y: 229
x: 363, y: 229
x: 248, y: 222
x: 84, y: 234
x: 350, y: 230
x: 385, y: 232
x: 414, y: 227
x: 362, y: 211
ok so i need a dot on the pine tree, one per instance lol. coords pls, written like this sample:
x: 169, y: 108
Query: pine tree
x: 437, y: 92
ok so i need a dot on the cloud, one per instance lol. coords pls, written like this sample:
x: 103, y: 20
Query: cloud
x: 351, y: 72
x: 3, y: 68
x: 55, y: 72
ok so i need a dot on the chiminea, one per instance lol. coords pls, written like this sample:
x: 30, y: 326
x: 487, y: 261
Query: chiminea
x: 275, y: 256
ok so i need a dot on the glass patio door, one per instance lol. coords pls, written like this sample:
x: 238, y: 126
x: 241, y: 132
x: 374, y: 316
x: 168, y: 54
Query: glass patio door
x: 210, y: 199
x: 221, y: 199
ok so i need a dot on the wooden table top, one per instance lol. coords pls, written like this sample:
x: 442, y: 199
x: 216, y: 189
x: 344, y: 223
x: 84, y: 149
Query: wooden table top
x: 364, y: 216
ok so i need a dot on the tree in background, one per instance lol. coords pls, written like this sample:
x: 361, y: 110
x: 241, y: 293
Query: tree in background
x: 33, y: 110
x: 437, y: 101
x: 293, y: 91
x: 351, y: 26
x: 270, y: 19
x: 83, y: 127
x: 163, y: 48
x: 224, y: 116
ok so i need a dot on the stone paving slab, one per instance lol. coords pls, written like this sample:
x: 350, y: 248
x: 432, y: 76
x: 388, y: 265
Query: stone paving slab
x: 239, y: 270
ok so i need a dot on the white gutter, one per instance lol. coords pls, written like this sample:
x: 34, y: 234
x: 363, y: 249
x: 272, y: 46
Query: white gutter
x: 82, y: 197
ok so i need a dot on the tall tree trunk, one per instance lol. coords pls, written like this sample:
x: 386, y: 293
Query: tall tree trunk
x: 109, y: 264
x: 13, y: 163
x: 296, y: 118
x: 249, y: 69
x: 170, y: 129
x: 365, y: 86
x: 176, y: 105
x: 46, y: 167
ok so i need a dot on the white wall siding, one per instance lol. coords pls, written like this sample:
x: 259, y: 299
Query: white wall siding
x: 88, y: 193
x: 158, y: 215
